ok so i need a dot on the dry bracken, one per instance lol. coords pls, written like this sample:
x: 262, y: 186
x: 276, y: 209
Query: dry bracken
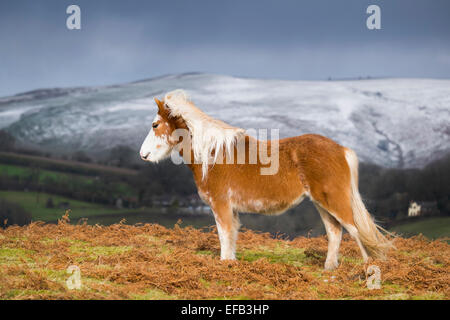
x: 153, y: 262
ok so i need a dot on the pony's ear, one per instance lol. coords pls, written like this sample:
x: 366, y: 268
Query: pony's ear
x: 160, y: 105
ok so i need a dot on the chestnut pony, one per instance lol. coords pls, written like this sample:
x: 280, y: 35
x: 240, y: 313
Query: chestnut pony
x: 307, y: 166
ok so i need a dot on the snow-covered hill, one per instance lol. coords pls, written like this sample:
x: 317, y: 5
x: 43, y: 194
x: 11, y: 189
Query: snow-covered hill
x: 391, y: 122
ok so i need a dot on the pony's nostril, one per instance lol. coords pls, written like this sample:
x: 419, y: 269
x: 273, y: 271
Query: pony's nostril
x: 144, y: 156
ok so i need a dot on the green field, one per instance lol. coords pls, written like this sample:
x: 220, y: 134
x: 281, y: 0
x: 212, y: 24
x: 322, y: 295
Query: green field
x: 35, y: 203
x: 47, y: 176
x: 23, y: 172
x: 432, y: 228
x: 74, y: 167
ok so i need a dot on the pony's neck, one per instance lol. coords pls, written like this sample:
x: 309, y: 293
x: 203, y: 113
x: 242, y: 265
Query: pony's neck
x: 195, y: 168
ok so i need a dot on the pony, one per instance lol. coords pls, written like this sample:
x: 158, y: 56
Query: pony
x: 309, y: 165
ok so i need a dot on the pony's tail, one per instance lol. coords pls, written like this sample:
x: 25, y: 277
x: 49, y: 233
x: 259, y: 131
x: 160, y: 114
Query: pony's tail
x: 373, y: 240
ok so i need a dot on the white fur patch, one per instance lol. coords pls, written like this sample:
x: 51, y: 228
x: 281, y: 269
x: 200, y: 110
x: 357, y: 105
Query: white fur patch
x: 155, y: 148
x: 227, y: 243
x: 262, y: 205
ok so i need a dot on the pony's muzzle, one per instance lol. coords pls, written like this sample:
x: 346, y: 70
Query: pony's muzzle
x: 144, y: 156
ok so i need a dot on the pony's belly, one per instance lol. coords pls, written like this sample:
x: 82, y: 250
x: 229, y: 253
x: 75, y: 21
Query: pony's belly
x: 266, y: 206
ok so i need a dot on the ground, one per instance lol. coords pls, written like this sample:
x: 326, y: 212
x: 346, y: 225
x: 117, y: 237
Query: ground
x: 153, y: 262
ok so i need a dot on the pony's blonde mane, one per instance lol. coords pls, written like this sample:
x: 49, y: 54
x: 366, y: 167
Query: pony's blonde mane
x: 207, y: 133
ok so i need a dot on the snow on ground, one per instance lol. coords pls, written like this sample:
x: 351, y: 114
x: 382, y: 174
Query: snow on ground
x: 391, y: 122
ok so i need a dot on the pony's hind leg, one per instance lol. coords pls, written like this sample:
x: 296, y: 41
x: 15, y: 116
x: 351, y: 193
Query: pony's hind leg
x: 351, y: 228
x: 334, y: 234
x: 228, y: 225
x: 348, y: 225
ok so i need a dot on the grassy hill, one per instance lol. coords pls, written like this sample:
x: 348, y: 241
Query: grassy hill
x: 43, y: 176
x: 75, y: 167
x: 35, y: 203
x: 432, y: 228
x: 153, y: 262
x: 89, y: 189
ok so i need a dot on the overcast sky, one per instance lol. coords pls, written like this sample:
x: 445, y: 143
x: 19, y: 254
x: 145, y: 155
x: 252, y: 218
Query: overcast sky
x: 123, y: 41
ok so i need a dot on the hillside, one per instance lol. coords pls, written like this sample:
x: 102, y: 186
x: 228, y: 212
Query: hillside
x: 431, y: 227
x: 390, y: 122
x: 77, y: 167
x: 152, y: 262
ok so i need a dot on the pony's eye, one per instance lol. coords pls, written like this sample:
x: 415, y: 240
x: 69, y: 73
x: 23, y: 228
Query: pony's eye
x: 155, y: 125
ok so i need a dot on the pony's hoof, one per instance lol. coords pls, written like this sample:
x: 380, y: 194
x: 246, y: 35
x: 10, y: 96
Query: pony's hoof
x: 228, y: 258
x: 331, y: 265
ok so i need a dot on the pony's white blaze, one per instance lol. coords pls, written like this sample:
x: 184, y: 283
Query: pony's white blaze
x: 155, y: 148
x: 308, y: 165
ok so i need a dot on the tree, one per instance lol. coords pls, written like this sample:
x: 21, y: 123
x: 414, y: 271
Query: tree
x: 7, y: 141
x: 11, y: 213
x: 121, y: 156
x: 81, y: 156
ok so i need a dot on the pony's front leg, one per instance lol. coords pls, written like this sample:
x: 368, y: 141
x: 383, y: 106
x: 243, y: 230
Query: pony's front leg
x: 228, y: 225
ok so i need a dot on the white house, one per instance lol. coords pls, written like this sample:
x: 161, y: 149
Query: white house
x: 414, y: 209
